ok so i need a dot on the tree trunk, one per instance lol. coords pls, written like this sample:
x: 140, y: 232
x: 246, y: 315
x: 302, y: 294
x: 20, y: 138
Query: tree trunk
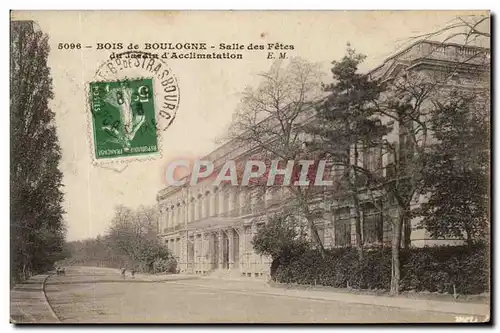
x: 274, y: 267
x: 357, y: 218
x: 357, y: 209
x: 406, y: 227
x: 469, y: 238
x: 310, y: 223
x: 395, y: 251
x: 315, y: 236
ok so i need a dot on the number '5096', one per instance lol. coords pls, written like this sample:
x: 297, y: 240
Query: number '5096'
x: 69, y: 46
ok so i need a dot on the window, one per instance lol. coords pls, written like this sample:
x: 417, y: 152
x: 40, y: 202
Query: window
x: 192, y: 209
x: 321, y: 232
x: 216, y: 202
x: 199, y: 207
x: 390, y: 169
x: 190, y: 249
x: 248, y: 238
x: 372, y: 159
x: 225, y: 202
x: 372, y: 224
x: 342, y: 227
x: 338, y: 173
x: 406, y: 145
x: 234, y: 202
x: 206, y: 204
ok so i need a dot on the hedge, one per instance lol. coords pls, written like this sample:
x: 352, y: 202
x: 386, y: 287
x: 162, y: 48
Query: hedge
x: 433, y: 269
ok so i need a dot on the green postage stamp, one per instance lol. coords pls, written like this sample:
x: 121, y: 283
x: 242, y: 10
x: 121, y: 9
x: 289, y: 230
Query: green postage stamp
x: 123, y: 118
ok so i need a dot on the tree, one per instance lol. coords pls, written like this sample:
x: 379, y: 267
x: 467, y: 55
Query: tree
x: 411, y: 100
x: 456, y: 173
x: 469, y: 28
x: 358, y: 117
x: 37, y: 226
x: 133, y: 235
x: 345, y: 129
x: 407, y: 101
x: 132, y: 242
x: 282, y: 238
x: 269, y: 122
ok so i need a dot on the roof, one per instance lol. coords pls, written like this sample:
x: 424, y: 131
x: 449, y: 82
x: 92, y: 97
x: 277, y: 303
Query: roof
x: 433, y: 51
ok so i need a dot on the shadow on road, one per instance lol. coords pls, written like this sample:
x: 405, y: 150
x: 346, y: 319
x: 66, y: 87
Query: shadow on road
x: 94, y: 281
x: 30, y: 290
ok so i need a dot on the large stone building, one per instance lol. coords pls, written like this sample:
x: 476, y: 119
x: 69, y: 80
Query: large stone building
x: 209, y: 229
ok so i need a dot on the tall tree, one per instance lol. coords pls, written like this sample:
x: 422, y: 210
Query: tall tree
x: 457, y: 170
x: 353, y: 122
x: 468, y: 29
x: 270, y: 121
x: 133, y: 236
x: 407, y: 103
x: 37, y: 227
x: 410, y: 100
x: 282, y: 238
x: 345, y: 130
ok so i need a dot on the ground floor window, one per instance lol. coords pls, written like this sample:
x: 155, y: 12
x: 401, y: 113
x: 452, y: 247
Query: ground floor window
x: 373, y: 231
x: 342, y: 226
x: 321, y: 232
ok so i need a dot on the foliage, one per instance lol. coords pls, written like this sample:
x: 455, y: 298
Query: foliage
x: 281, y: 238
x: 341, y: 268
x: 456, y: 174
x: 433, y: 269
x: 131, y: 242
x: 437, y: 269
x: 345, y: 129
x: 161, y: 265
x: 346, y: 115
x: 269, y: 120
x: 352, y: 120
x: 463, y: 29
x: 37, y: 228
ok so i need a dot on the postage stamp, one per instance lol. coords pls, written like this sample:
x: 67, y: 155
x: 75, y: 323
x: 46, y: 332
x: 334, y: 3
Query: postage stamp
x: 133, y: 99
x: 123, y: 118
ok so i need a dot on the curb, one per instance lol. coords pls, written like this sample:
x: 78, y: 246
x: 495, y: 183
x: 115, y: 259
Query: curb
x: 378, y: 302
x: 431, y: 308
x: 30, y: 308
x: 47, y: 299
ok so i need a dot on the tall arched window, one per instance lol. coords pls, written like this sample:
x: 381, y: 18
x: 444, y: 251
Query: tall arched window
x: 192, y: 209
x: 199, y: 206
x: 206, y: 204
x: 215, y: 194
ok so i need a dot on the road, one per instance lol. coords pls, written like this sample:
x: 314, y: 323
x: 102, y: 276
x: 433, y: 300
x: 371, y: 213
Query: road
x: 99, y: 295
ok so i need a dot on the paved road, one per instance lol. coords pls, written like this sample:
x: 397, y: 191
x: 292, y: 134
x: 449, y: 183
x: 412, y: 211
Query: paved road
x: 99, y: 295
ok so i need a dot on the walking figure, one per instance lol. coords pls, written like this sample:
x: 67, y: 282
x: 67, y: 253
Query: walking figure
x: 132, y: 272
x: 123, y: 273
x: 60, y: 270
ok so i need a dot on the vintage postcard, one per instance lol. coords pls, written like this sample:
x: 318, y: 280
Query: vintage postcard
x: 250, y: 167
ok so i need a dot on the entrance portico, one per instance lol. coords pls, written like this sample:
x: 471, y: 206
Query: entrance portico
x: 213, y: 245
x: 220, y: 245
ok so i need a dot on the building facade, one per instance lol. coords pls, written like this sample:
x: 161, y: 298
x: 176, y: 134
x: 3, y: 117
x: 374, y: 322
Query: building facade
x: 209, y: 229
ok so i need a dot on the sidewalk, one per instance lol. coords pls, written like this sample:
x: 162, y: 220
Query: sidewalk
x: 28, y: 303
x: 263, y: 288
x: 163, y: 277
x: 459, y: 308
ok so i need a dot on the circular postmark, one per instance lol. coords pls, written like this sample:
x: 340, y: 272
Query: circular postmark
x: 133, y: 98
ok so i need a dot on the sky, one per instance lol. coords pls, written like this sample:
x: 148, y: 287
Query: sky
x: 209, y: 89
